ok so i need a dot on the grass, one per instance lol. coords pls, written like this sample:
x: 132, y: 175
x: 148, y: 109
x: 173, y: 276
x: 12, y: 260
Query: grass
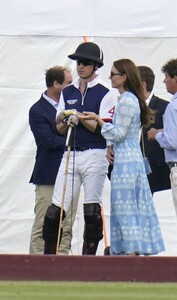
x: 23, y: 290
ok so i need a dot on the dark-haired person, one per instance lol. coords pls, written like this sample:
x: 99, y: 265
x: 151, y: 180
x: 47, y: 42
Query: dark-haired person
x: 134, y: 226
x: 87, y: 164
x: 50, y: 148
x: 159, y: 178
x: 167, y: 136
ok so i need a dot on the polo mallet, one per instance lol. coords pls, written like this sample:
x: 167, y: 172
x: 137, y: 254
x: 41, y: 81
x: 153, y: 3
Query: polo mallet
x: 104, y: 229
x: 64, y: 185
x: 67, y: 144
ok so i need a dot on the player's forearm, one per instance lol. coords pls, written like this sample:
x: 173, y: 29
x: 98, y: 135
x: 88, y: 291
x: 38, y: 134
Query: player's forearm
x: 89, y: 124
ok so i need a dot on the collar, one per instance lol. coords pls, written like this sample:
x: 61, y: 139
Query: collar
x: 174, y: 96
x: 149, y: 98
x: 90, y: 84
x: 51, y: 101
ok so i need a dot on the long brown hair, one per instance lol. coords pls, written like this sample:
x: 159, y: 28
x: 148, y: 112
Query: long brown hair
x: 133, y: 84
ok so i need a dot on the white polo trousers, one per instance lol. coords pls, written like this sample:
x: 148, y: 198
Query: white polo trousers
x: 87, y: 167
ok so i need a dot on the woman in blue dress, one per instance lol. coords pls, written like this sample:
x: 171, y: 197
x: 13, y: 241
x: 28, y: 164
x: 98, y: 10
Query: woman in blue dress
x: 134, y: 224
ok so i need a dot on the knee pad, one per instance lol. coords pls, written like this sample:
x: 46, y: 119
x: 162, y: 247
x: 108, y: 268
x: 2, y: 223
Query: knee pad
x: 93, y: 223
x: 51, y: 224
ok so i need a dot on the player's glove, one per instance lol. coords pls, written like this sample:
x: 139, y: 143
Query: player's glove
x: 72, y: 121
x: 64, y: 115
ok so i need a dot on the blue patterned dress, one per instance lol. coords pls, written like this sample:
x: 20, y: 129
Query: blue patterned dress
x: 133, y: 222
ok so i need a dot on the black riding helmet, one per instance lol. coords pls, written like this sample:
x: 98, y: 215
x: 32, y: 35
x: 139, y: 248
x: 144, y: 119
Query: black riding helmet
x: 88, y: 50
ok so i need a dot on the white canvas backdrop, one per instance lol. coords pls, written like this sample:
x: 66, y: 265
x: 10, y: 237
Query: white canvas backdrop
x: 38, y: 34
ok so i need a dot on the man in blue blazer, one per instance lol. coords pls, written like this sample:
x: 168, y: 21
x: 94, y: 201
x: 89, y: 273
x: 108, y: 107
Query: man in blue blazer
x: 50, y: 147
x: 159, y: 178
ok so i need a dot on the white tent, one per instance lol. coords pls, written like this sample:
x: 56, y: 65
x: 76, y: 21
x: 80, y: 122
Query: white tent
x: 37, y: 34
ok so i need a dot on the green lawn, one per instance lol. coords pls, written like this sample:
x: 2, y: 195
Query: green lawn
x: 23, y: 290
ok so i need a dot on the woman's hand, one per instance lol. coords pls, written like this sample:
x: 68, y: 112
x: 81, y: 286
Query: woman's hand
x: 87, y: 115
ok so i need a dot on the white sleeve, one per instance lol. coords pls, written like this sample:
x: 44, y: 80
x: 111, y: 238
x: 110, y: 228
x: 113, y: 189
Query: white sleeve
x: 107, y: 106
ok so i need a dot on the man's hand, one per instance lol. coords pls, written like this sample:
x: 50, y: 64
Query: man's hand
x: 110, y: 155
x: 152, y: 133
x: 61, y: 116
x: 72, y: 121
x: 64, y: 115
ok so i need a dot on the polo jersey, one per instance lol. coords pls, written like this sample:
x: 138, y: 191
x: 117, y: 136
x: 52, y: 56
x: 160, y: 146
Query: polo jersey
x: 97, y: 98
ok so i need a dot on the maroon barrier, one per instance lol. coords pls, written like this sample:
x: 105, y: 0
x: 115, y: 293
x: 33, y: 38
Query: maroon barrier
x: 88, y: 268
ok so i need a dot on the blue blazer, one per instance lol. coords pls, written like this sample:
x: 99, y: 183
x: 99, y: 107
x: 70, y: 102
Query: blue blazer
x: 50, y: 145
x: 159, y: 178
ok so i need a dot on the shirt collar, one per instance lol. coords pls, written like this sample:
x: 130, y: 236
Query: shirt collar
x: 51, y: 101
x: 149, y: 98
x: 90, y: 84
x: 174, y: 96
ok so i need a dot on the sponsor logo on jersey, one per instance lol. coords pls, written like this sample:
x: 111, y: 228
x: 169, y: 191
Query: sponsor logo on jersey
x: 72, y: 101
